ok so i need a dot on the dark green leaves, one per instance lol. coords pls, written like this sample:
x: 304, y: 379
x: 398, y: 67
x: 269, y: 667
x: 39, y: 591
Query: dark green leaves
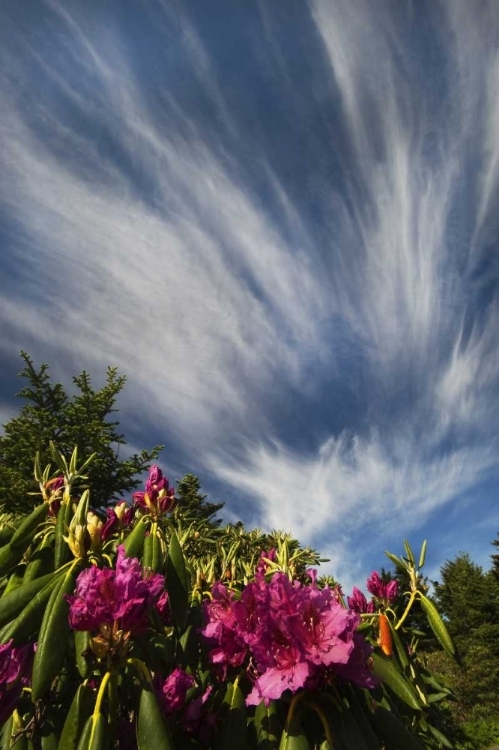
x: 152, y: 732
x: 386, y: 670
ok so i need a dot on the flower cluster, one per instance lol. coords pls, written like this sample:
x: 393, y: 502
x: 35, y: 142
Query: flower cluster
x: 118, y: 518
x: 15, y: 671
x: 287, y: 635
x: 106, y: 596
x: 385, y: 593
x: 159, y: 497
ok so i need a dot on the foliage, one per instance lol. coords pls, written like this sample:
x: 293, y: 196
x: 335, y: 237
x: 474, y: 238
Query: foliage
x: 157, y: 630
x: 81, y: 420
x: 468, y: 597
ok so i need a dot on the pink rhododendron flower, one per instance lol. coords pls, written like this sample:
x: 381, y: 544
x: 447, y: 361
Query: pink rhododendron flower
x: 174, y: 690
x: 104, y: 596
x: 385, y: 591
x: 159, y: 497
x: 358, y: 602
x: 15, y: 673
x: 287, y: 635
x: 118, y: 518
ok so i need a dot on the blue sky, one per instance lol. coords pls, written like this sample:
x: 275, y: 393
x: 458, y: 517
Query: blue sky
x: 280, y: 221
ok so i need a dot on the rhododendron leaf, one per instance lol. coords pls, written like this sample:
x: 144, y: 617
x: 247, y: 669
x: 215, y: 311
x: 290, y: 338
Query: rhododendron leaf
x: 393, y: 730
x: 441, y: 738
x: 6, y: 734
x: 26, y: 531
x: 12, y: 604
x: 134, y: 542
x: 49, y: 741
x: 15, y: 580
x: 409, y: 553
x: 360, y: 713
x: 41, y: 562
x: 81, y: 645
x: 53, y: 637
x: 267, y: 726
x: 177, y: 582
x: 422, y: 554
x: 6, y: 534
x: 400, y: 648
x: 293, y: 737
x: 61, y: 547
x: 438, y: 626
x: 385, y: 669
x: 79, y: 712
x: 9, y: 558
x: 397, y: 561
x: 28, y: 620
x: 232, y: 726
x: 152, y: 731
x: 94, y: 736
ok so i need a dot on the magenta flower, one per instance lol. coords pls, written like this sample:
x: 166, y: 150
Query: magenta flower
x: 159, y: 497
x: 105, y: 596
x: 358, y: 602
x: 174, y: 689
x: 118, y: 518
x: 15, y: 673
x: 287, y: 635
x: 385, y: 591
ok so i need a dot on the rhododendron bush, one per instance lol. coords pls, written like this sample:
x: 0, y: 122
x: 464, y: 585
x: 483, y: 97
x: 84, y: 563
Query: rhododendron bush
x: 138, y: 629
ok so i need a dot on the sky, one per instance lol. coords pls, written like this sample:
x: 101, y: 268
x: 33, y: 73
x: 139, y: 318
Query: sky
x: 280, y: 221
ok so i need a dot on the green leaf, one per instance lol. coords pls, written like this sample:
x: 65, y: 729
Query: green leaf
x: 178, y: 582
x: 53, y: 637
x: 26, y: 531
x: 409, y: 553
x: 438, y: 626
x: 81, y: 645
x: 61, y: 547
x: 422, y: 555
x: 440, y: 737
x: 13, y: 603
x: 15, y: 580
x: 152, y: 731
x: 392, y: 730
x: 385, y: 669
x: 41, y: 562
x: 94, y: 734
x: 400, y: 649
x: 232, y: 723
x: 267, y: 726
x: 6, y: 735
x: 134, y: 542
x: 293, y: 737
x: 360, y: 714
x: 9, y: 558
x: 28, y: 620
x: 397, y: 561
x: 79, y: 712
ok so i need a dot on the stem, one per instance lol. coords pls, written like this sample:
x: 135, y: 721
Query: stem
x: 141, y: 668
x: 407, y: 609
x: 296, y: 698
x: 100, y: 694
x: 322, y: 716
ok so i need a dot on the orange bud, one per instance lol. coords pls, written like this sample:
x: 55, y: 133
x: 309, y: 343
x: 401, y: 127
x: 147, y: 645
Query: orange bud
x: 385, y: 635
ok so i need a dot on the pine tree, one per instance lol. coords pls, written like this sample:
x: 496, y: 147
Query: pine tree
x: 468, y: 598
x: 80, y: 420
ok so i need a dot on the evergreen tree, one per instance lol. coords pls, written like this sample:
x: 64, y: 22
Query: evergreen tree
x: 495, y: 559
x: 80, y: 420
x: 192, y: 504
x: 468, y: 598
